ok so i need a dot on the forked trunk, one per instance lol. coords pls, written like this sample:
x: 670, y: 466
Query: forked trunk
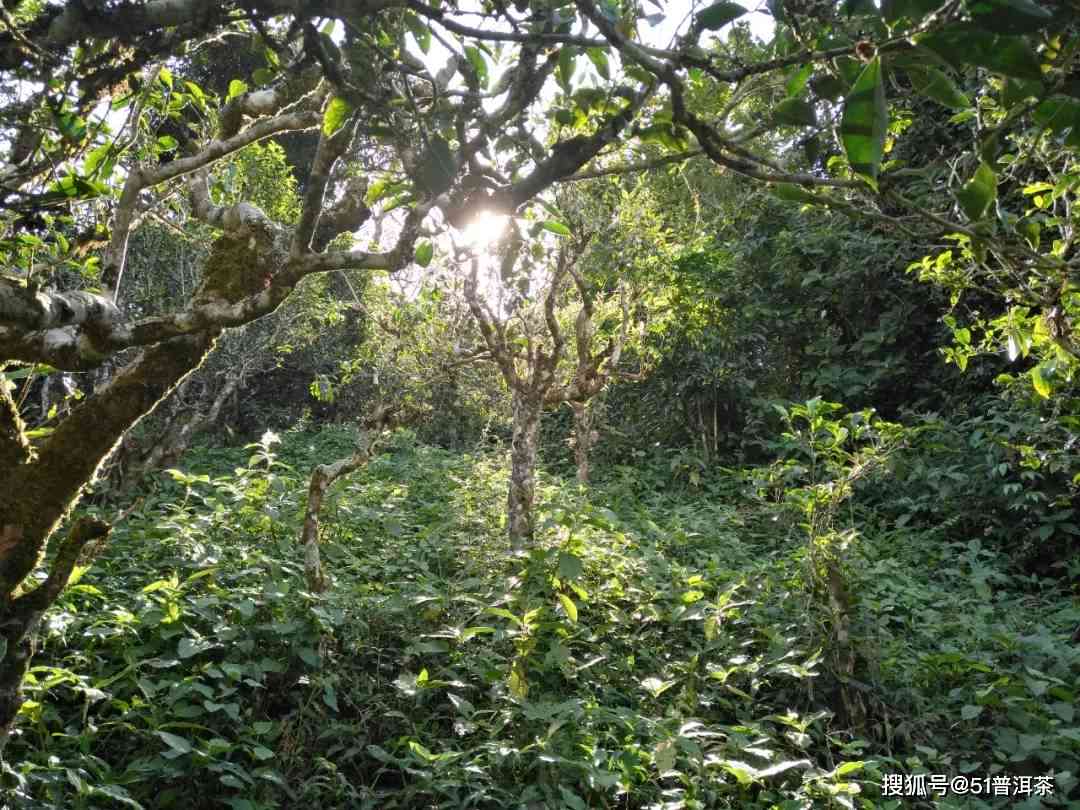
x: 519, y: 504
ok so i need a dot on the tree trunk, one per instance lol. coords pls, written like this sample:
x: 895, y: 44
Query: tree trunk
x: 39, y: 487
x: 177, y: 437
x: 21, y: 617
x: 584, y: 438
x: 321, y: 478
x: 519, y: 503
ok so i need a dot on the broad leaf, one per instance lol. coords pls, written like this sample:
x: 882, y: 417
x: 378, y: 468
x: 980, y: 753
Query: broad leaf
x: 965, y: 45
x: 337, y: 113
x: 437, y: 167
x: 600, y: 61
x: 865, y: 122
x: 236, y: 88
x: 556, y: 227
x: 796, y: 112
x: 177, y: 744
x: 913, y: 10
x: 1008, y: 16
x: 934, y: 84
x: 789, y: 192
x: 978, y: 193
x: 720, y: 14
x: 567, y: 66
x: 424, y: 253
x: 479, y: 64
x: 570, y: 566
x: 1039, y: 381
x: 1061, y: 115
x: 568, y: 606
x: 421, y: 32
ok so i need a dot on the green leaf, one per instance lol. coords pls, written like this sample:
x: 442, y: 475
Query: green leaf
x: 424, y: 252
x: 421, y: 32
x: 1015, y: 91
x: 978, y: 193
x: 479, y: 64
x: 189, y: 647
x: 798, y: 80
x: 555, y: 227
x: 236, y: 88
x: 796, y: 112
x: 569, y: 607
x: 177, y: 744
x: 570, y: 566
x: 913, y: 10
x: 655, y: 686
x: 865, y: 122
x: 1039, y: 381
x: 1008, y: 16
x: 337, y: 113
x: 166, y: 77
x: 935, y: 85
x: 970, y: 712
x: 518, y: 681
x: 664, y: 755
x: 1060, y: 114
x: 962, y: 44
x: 600, y: 61
x: 567, y: 65
x: 437, y: 167
x: 825, y: 85
x: 719, y: 14
x: 850, y: 767
x: 1031, y: 230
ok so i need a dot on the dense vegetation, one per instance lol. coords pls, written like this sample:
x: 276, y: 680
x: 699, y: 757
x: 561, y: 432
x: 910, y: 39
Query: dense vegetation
x: 548, y: 405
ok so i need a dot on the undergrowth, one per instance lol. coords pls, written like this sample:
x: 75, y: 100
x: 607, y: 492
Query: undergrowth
x: 662, y: 647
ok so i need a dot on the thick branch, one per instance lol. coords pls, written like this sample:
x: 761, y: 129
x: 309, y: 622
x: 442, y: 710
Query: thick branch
x: 328, y: 151
x: 141, y: 179
x: 34, y: 497
x: 85, y: 530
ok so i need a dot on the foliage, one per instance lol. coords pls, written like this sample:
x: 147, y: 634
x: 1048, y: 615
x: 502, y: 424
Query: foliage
x: 651, y: 651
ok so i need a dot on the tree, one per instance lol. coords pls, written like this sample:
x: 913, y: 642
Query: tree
x: 77, y: 183
x: 68, y: 171
x: 528, y: 361
x: 529, y: 345
x: 1002, y: 195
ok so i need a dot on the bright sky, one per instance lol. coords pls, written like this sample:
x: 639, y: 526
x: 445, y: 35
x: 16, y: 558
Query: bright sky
x: 487, y: 228
x: 677, y: 16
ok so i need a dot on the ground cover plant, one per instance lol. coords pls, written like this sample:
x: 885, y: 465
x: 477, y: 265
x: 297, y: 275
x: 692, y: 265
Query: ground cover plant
x: 545, y: 404
x: 663, y: 645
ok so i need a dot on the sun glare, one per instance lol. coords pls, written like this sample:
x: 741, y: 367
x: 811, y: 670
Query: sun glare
x: 484, y: 230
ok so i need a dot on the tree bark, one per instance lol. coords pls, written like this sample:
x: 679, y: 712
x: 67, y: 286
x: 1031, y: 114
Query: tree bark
x: 584, y: 438
x: 37, y: 493
x: 522, y: 491
x: 21, y: 616
x: 321, y: 478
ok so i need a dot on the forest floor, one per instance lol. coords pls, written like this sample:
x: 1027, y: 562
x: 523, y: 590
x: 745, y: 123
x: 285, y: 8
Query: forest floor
x: 661, y: 647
